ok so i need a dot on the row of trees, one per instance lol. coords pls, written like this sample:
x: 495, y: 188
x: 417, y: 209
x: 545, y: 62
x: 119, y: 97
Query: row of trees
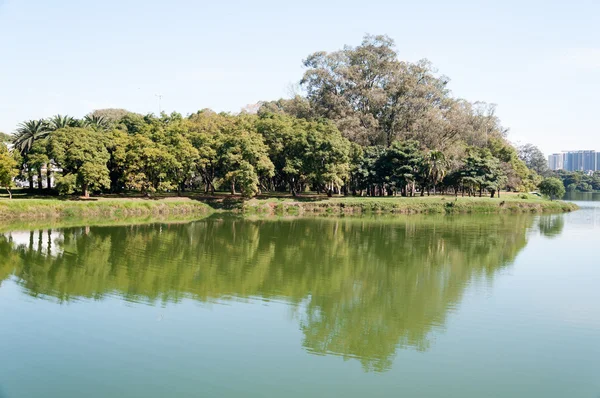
x: 369, y: 124
x: 579, y: 181
x: 253, y: 153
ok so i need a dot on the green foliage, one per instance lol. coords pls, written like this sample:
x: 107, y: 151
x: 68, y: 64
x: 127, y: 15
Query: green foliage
x: 533, y: 158
x: 5, y: 138
x: 8, y: 169
x: 66, y: 185
x: 580, y: 181
x: 28, y: 132
x: 81, y: 152
x: 552, y: 187
x: 399, y: 166
x: 369, y: 124
x: 243, y: 159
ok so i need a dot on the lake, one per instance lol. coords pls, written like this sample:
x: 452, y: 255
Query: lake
x: 454, y: 306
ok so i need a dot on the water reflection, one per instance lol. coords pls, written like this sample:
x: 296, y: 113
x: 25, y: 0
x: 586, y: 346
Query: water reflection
x: 362, y: 287
x: 551, y: 225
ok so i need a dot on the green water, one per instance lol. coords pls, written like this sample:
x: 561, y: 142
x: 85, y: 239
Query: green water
x: 486, y: 306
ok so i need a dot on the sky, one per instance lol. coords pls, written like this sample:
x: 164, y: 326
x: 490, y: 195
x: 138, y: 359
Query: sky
x: 539, y: 61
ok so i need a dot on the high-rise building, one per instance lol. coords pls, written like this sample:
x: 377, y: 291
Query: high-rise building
x: 556, y: 161
x: 575, y: 161
x: 589, y: 160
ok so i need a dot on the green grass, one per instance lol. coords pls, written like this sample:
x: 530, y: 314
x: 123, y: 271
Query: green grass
x: 397, y: 205
x: 114, y: 209
x: 32, y: 209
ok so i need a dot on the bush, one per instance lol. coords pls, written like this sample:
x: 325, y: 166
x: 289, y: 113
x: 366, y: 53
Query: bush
x: 65, y: 185
x: 552, y: 187
x: 523, y: 196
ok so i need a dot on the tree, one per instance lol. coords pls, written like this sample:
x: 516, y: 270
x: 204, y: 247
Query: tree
x: 95, y: 122
x: 533, y: 158
x: 112, y: 115
x: 8, y: 169
x: 399, y: 167
x: 297, y: 107
x: 5, y: 138
x: 243, y: 159
x: 58, y: 122
x: 481, y: 171
x: 372, y: 96
x: 436, y: 167
x: 37, y: 159
x: 148, y: 165
x: 552, y: 187
x: 28, y: 132
x: 82, y: 155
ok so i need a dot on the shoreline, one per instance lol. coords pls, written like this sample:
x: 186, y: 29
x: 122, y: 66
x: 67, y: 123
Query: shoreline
x: 12, y: 210
x: 406, y: 206
x: 121, y: 209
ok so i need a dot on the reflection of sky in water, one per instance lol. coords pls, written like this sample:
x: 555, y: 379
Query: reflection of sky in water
x: 588, y: 216
x: 47, y: 241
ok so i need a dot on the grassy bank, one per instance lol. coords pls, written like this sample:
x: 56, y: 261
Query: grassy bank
x: 417, y: 205
x: 101, y: 209
x: 113, y: 209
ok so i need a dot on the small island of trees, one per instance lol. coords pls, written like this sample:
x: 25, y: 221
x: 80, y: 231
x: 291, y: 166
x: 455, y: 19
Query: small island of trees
x: 369, y: 124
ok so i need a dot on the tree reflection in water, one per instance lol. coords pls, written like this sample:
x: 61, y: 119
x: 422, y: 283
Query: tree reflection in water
x: 364, y: 286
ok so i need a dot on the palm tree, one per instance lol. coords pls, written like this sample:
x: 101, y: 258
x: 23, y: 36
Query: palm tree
x: 28, y: 132
x: 26, y: 135
x: 58, y: 122
x: 437, y: 166
x: 96, y: 122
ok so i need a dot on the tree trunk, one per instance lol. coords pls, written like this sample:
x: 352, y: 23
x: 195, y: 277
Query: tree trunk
x: 86, y: 192
x: 9, y: 193
x: 48, y: 177
x: 232, y: 187
x: 40, y: 184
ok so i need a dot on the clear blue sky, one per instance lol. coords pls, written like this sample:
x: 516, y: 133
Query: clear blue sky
x: 538, y: 60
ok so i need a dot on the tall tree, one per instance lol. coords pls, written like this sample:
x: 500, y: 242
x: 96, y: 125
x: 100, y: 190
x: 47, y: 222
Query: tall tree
x: 58, y: 122
x: 436, y: 167
x: 243, y: 160
x: 372, y: 96
x: 82, y: 155
x: 96, y: 122
x: 5, y: 138
x: 534, y: 158
x: 399, y: 167
x: 112, y: 115
x: 28, y: 132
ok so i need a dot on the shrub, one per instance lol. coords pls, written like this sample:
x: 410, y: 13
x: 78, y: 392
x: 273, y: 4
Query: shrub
x: 552, y: 187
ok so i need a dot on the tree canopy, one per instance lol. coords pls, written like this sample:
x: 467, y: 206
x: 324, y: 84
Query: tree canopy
x: 5, y: 138
x: 552, y: 187
x: 8, y: 169
x: 368, y: 124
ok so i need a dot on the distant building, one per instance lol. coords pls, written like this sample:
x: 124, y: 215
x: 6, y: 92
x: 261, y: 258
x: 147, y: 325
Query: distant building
x: 556, y: 161
x: 575, y: 161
